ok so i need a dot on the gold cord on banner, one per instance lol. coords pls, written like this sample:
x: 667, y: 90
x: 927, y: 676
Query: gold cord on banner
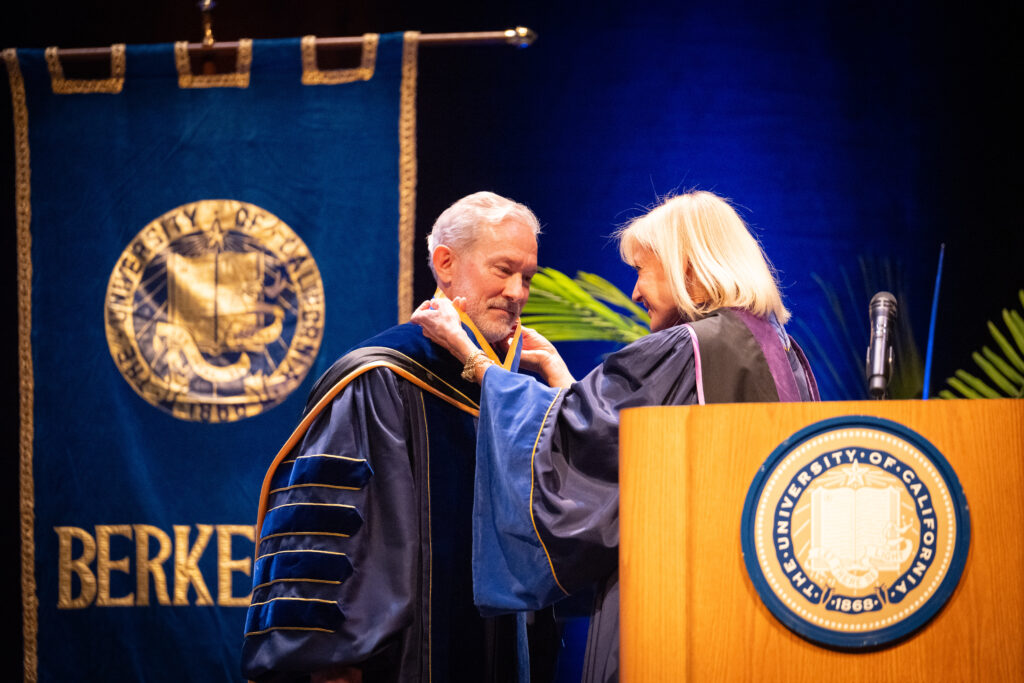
x: 29, y: 600
x: 407, y: 174
x: 67, y: 86
x: 313, y: 75
x: 238, y: 79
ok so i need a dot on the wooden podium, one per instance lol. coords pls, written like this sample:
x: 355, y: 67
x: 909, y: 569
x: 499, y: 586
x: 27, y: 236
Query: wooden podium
x: 689, y: 609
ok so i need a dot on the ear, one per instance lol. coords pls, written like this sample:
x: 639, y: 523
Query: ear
x: 443, y: 259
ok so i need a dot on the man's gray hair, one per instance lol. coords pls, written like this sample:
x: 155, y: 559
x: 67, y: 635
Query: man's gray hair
x: 457, y: 226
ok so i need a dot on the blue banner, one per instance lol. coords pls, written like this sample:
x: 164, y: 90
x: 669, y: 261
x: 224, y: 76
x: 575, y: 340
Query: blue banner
x: 194, y: 249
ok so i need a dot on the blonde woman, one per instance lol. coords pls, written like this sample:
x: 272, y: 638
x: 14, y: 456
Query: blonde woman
x: 717, y: 337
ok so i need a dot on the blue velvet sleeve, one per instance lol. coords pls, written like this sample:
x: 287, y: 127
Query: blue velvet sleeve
x: 336, y: 568
x: 546, y: 509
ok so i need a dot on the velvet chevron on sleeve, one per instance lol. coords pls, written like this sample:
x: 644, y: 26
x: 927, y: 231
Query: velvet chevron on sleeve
x: 343, y: 499
x: 363, y: 549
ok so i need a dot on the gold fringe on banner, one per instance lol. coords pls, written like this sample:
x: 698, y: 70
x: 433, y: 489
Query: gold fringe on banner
x: 23, y: 208
x: 238, y: 79
x: 407, y: 174
x: 313, y: 75
x: 69, y: 86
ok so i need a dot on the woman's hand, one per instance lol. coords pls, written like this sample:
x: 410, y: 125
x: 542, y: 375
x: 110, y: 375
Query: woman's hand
x: 441, y: 324
x: 540, y: 356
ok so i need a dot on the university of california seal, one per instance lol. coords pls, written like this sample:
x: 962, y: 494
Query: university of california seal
x: 215, y: 311
x: 855, y: 532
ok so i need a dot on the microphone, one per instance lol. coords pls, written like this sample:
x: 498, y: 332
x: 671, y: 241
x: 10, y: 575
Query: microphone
x: 880, y: 355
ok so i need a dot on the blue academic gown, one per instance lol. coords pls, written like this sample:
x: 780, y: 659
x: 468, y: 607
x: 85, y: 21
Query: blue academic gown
x: 546, y: 512
x: 363, y: 551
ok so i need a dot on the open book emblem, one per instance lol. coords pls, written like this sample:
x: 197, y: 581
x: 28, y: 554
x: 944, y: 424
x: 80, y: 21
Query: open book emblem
x: 855, y: 532
x: 215, y: 311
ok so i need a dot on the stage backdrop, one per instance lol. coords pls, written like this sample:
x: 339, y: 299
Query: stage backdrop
x: 194, y: 250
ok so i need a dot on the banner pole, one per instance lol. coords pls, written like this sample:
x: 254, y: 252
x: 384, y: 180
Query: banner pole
x: 519, y: 36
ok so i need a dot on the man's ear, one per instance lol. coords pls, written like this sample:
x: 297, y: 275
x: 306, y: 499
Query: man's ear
x: 443, y: 259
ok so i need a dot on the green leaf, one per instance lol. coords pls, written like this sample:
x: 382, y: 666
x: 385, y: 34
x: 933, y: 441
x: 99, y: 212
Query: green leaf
x: 582, y: 332
x: 845, y: 332
x: 819, y: 351
x: 946, y: 393
x: 566, y: 309
x: 1005, y: 369
x: 1005, y: 346
x: 579, y: 295
x: 1015, y: 324
x: 536, y: 320
x: 976, y: 384
x: 1003, y: 366
x: 852, y: 348
x: 556, y: 287
x: 564, y: 286
x: 993, y: 374
x: 606, y: 291
x: 962, y: 388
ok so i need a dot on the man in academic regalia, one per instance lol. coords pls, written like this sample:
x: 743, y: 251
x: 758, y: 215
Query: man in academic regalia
x: 362, y: 568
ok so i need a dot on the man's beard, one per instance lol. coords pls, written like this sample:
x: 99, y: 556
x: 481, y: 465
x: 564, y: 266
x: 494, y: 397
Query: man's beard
x: 494, y: 330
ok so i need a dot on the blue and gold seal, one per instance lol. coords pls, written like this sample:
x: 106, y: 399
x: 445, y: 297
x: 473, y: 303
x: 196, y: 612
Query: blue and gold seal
x: 855, y: 532
x: 215, y: 311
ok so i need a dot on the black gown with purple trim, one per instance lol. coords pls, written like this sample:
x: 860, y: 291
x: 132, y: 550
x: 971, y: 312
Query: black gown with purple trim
x: 545, y: 519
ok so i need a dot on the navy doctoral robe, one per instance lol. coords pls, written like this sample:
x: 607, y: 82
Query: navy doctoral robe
x: 364, y: 532
x: 546, y: 512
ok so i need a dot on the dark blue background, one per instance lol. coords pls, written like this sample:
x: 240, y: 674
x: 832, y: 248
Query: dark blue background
x: 842, y: 130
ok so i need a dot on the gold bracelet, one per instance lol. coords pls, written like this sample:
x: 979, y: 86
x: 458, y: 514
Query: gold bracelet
x: 475, y: 360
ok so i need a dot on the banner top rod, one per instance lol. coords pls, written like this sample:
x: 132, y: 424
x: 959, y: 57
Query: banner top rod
x: 520, y: 36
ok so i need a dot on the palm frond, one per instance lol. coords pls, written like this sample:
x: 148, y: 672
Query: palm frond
x: 816, y: 350
x: 580, y: 309
x: 1004, y: 367
x: 605, y: 291
x: 838, y: 348
x: 1005, y: 346
x: 993, y: 373
x: 1005, y: 372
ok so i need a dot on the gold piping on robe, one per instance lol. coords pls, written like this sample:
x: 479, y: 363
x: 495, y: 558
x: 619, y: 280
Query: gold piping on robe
x: 291, y: 628
x: 322, y: 505
x: 288, y: 628
x: 319, y: 486
x: 289, y: 580
x: 293, y: 599
x: 532, y: 483
x: 305, y: 533
x: 327, y: 455
x: 301, y: 550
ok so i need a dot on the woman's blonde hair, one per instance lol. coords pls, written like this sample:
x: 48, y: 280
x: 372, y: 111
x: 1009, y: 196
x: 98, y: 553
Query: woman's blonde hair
x: 703, y: 244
